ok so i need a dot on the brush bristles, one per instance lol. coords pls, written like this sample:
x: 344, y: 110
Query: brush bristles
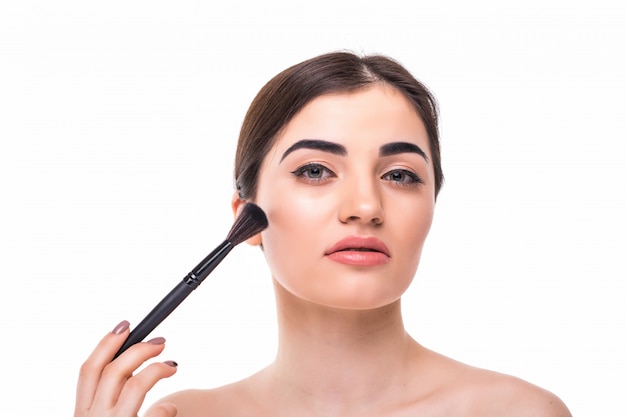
x: 250, y: 221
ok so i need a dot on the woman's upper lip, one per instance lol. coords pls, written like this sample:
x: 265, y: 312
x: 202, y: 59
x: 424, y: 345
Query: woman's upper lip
x: 359, y: 243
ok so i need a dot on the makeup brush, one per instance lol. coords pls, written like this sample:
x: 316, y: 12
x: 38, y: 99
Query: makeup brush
x: 250, y: 221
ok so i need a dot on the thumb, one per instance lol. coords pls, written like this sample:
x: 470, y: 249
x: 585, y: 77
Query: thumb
x: 162, y: 410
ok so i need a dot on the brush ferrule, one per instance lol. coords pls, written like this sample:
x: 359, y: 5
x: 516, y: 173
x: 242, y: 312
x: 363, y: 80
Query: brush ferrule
x: 191, y: 280
x: 208, y: 264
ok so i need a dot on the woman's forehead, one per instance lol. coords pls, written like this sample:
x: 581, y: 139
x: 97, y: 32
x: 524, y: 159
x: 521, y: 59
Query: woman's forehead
x: 368, y: 117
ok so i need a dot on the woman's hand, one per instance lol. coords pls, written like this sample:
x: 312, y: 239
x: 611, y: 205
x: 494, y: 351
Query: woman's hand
x: 109, y: 389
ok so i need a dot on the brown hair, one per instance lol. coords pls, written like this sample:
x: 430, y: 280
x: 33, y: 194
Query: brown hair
x: 289, y: 91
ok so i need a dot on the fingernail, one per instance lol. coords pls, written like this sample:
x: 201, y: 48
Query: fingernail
x: 171, y: 363
x: 156, y: 341
x: 121, y: 328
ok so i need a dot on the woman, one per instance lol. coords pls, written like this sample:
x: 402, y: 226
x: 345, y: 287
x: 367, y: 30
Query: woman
x: 342, y: 153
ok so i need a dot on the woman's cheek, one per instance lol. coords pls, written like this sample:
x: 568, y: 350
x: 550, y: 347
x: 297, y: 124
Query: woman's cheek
x: 283, y: 249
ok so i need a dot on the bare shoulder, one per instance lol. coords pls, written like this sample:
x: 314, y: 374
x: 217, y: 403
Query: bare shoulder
x: 461, y: 389
x: 496, y: 394
x: 232, y: 400
x: 189, y: 403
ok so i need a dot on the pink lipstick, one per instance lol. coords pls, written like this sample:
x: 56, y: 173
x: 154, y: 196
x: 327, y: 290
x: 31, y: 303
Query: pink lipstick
x: 360, y: 251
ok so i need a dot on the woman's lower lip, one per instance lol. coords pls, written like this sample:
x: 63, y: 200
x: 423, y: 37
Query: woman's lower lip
x: 361, y: 258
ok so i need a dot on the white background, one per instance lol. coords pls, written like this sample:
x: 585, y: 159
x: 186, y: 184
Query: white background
x: 118, y: 122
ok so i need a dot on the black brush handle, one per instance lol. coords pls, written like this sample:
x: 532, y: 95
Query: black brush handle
x: 176, y: 296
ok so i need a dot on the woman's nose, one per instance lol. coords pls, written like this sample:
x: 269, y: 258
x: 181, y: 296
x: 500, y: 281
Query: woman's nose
x: 361, y: 202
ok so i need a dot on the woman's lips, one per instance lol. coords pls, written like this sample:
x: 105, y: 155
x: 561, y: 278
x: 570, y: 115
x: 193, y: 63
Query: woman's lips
x: 363, y: 251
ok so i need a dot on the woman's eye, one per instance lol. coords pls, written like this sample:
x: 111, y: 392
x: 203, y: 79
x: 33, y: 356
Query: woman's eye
x: 403, y: 177
x: 313, y: 173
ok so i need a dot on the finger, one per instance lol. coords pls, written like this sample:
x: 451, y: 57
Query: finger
x: 137, y: 387
x: 162, y: 410
x: 117, y: 373
x: 91, y: 369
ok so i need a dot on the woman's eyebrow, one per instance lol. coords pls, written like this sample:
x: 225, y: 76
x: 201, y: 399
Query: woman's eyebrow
x: 317, y: 144
x: 395, y: 148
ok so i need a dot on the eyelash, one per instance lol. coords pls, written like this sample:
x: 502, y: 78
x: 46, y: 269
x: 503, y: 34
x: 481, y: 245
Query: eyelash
x: 303, y: 172
x: 413, y: 179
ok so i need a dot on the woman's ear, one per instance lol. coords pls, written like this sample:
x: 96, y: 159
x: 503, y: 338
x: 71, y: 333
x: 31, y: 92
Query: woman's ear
x: 237, y: 204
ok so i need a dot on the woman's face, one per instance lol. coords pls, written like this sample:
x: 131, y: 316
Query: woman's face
x: 348, y: 189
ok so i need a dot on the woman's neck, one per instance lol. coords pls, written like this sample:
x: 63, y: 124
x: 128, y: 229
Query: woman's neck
x: 341, y: 357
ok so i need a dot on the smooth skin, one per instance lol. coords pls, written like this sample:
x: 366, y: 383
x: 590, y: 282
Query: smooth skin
x: 343, y: 349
